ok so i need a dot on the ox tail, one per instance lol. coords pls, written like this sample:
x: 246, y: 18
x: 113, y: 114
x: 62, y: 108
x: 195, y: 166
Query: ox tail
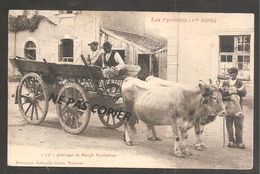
x: 132, y: 121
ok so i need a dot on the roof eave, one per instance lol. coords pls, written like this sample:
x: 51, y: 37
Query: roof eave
x: 129, y: 42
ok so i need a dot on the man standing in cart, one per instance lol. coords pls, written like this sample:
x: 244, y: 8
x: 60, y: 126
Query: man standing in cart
x: 112, y: 61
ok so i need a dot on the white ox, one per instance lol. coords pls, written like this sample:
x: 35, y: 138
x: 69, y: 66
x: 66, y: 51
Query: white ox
x: 177, y: 106
x: 199, y: 121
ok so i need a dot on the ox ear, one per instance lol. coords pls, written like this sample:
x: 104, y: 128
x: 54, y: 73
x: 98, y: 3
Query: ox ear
x: 202, y: 84
x: 204, y: 101
x: 206, y: 90
x: 210, y: 81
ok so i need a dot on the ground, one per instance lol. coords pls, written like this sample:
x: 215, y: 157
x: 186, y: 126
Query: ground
x: 97, y: 146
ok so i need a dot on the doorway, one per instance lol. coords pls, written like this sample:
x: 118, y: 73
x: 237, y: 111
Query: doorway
x: 144, y: 62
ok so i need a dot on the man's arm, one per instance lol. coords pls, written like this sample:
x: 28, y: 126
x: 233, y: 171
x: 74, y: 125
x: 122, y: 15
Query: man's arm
x: 241, y: 89
x: 119, y: 60
x: 95, y: 57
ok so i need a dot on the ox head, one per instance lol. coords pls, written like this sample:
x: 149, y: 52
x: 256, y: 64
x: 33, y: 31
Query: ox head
x: 233, y: 106
x: 128, y: 89
x: 212, y: 102
x: 131, y: 87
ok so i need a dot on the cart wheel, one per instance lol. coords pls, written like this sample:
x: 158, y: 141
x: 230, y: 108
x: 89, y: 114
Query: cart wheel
x: 33, y: 98
x: 73, y: 108
x: 109, y: 120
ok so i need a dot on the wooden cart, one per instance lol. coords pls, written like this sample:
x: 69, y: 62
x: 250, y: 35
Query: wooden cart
x: 75, y: 90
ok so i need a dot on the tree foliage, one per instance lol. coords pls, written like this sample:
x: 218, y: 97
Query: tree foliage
x: 23, y: 23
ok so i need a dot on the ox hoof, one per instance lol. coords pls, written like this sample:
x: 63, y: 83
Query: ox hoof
x: 179, y: 154
x: 154, y: 139
x: 203, y: 146
x: 186, y: 152
x: 129, y: 143
x: 198, y: 147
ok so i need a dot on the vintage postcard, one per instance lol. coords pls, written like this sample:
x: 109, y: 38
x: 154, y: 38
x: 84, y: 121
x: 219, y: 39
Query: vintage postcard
x: 128, y: 89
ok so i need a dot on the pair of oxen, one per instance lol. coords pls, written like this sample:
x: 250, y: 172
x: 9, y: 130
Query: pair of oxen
x: 160, y: 102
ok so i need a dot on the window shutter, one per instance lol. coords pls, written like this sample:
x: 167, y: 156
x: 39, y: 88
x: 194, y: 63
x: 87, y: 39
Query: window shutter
x: 60, y: 51
x: 54, y: 50
x: 77, y: 51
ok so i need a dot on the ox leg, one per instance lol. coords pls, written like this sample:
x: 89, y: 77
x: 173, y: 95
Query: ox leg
x: 129, y: 123
x: 184, y: 134
x: 198, y: 131
x: 126, y: 136
x: 202, y: 145
x: 185, y: 149
x: 176, y: 139
x: 152, y: 136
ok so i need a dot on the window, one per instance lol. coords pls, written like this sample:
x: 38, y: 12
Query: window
x: 226, y: 44
x: 244, y: 43
x: 235, y: 52
x: 30, y: 50
x: 66, y: 50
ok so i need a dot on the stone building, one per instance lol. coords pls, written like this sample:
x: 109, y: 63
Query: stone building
x: 183, y: 47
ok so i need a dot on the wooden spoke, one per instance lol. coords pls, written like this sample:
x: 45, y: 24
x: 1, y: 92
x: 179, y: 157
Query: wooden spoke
x: 114, y: 122
x: 76, y: 121
x: 26, y: 87
x: 80, y: 110
x: 66, y: 118
x: 36, y: 91
x: 33, y: 80
x: 36, y: 111
x: 63, y: 109
x: 26, y: 83
x: 71, y: 123
x: 24, y: 103
x: 28, y: 108
x: 108, y: 118
x: 32, y: 111
x: 39, y: 106
x: 23, y: 96
x: 39, y: 95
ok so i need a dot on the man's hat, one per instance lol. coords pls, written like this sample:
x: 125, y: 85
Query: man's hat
x: 93, y: 43
x: 233, y: 70
x: 106, y: 45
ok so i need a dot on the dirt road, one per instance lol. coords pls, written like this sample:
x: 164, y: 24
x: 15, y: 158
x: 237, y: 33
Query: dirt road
x: 48, y: 144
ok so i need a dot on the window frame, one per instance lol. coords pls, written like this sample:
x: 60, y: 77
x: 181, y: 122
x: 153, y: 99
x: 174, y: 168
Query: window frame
x: 61, y: 57
x: 235, y: 54
x: 30, y: 49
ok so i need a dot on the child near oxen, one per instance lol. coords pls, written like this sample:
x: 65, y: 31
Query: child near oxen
x: 230, y: 87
